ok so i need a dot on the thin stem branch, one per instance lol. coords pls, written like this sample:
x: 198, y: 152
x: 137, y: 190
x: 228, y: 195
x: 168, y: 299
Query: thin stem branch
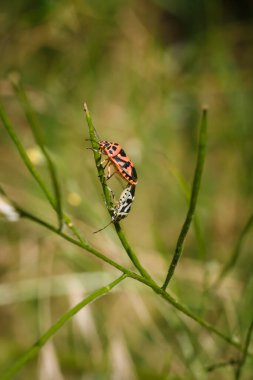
x: 82, y: 244
x: 33, y: 351
x: 237, y: 250
x: 11, y: 132
x: 245, y: 353
x: 130, y: 252
x: 32, y: 120
x: 186, y: 191
x: 230, y: 362
x: 193, y: 199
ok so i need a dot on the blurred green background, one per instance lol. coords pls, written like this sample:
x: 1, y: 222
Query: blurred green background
x: 145, y: 69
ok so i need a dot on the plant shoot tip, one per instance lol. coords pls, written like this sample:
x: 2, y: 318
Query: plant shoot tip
x: 14, y: 78
x: 205, y: 107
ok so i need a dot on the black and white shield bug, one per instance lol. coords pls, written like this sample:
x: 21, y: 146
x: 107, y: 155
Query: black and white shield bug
x: 123, y: 206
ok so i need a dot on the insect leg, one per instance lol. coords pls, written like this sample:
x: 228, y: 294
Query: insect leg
x: 101, y: 229
x: 107, y: 162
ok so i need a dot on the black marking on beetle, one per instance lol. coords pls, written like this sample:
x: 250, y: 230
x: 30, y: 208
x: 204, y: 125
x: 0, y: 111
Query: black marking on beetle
x: 126, y: 165
x: 134, y: 173
x: 122, y: 153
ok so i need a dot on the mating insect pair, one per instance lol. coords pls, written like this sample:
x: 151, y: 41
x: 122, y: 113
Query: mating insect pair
x: 116, y: 157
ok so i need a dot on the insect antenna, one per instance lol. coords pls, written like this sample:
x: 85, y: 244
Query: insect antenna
x: 94, y: 141
x: 101, y: 229
x: 97, y: 135
x: 86, y: 110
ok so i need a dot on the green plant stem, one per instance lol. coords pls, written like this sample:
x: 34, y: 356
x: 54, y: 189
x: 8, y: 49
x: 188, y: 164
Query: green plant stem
x: 22, y: 152
x: 193, y: 199
x: 97, y: 158
x: 33, y: 351
x: 130, y: 252
x: 166, y: 296
x: 7, y: 125
x: 245, y: 352
x: 238, y: 247
x: 31, y: 118
x: 230, y: 362
x: 82, y: 244
x: 186, y: 191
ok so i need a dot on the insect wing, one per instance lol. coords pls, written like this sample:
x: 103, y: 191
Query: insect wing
x: 126, y: 168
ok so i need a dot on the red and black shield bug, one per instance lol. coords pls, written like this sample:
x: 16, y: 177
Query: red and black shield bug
x: 117, y: 156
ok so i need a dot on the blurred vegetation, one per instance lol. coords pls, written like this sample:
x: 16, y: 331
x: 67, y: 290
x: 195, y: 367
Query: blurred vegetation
x: 145, y: 68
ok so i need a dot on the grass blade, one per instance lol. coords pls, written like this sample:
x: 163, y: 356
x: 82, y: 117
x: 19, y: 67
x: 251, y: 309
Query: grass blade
x: 245, y: 353
x: 34, y: 350
x: 235, y: 255
x: 31, y: 118
x: 28, y: 163
x: 22, y: 152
